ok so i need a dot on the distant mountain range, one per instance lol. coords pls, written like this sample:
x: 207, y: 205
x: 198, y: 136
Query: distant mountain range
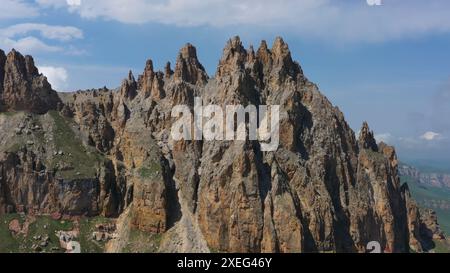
x: 426, y: 176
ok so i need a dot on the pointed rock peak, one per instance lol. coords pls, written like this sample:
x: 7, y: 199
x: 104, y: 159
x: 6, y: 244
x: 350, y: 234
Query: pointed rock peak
x: 2, y: 54
x: 367, y: 139
x: 131, y: 77
x: 234, y: 46
x: 282, y: 63
x: 24, y: 89
x: 149, y: 65
x: 146, y: 79
x: 168, y: 70
x: 263, y: 45
x: 23, y: 65
x: 188, y: 51
x: 279, y: 45
x: 14, y: 55
x: 251, y: 50
x: 129, y: 87
x: 157, y: 91
x: 263, y: 53
x: 365, y: 126
x: 233, y: 58
x: 235, y: 42
x: 188, y: 68
x: 280, y: 51
x: 251, y: 54
x: 14, y: 51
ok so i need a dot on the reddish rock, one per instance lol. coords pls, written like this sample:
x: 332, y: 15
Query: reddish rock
x: 24, y: 89
x: 14, y: 226
x: 188, y: 68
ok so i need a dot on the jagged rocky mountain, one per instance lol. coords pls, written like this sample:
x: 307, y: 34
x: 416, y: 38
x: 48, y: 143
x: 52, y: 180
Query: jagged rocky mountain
x: 109, y: 152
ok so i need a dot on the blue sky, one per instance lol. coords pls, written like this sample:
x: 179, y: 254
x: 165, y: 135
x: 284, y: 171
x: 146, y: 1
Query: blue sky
x: 387, y: 64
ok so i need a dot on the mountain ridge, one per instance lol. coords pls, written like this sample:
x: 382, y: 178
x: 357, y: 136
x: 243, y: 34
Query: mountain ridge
x: 321, y: 190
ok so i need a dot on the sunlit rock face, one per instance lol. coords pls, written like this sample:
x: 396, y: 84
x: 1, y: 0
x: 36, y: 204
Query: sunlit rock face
x: 322, y: 190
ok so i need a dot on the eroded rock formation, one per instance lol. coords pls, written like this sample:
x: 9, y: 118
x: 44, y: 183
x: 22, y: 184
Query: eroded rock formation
x: 22, y: 87
x: 321, y: 190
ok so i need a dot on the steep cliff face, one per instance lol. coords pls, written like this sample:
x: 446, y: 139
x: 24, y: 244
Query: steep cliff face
x: 320, y: 190
x: 23, y: 88
x: 45, y: 168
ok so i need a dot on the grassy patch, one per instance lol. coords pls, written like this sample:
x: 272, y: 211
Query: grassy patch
x: 441, y: 247
x: 151, y: 169
x: 81, y: 161
x: 46, y: 226
x: 8, y: 243
x: 9, y: 114
x: 39, y: 226
x: 87, y: 227
x: 142, y: 242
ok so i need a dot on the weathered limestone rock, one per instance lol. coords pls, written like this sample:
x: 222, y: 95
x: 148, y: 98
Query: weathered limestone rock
x: 24, y: 89
x: 322, y: 190
x: 188, y: 68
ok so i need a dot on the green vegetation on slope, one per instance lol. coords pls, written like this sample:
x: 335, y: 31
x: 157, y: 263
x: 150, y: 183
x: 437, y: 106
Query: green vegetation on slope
x: 142, y: 242
x: 87, y: 227
x: 38, y: 228
x: 150, y: 169
x: 441, y: 246
x: 8, y: 244
x: 427, y: 196
x: 76, y: 160
x: 42, y: 226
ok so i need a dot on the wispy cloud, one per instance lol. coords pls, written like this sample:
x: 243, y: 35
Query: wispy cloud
x: 20, y: 37
x: 385, y: 137
x: 58, y: 3
x: 28, y: 45
x: 12, y: 9
x: 61, y: 33
x: 346, y: 21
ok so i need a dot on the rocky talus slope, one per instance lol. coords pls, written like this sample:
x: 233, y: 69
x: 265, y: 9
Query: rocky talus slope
x: 109, y: 152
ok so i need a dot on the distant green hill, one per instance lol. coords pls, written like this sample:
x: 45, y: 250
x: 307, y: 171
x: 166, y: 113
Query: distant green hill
x: 437, y: 199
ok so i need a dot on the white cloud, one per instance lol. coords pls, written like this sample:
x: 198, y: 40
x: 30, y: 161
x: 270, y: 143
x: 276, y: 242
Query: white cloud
x: 386, y: 137
x: 18, y: 37
x: 61, y: 33
x: 73, y: 2
x: 28, y: 45
x: 338, y: 20
x: 430, y: 136
x: 11, y: 9
x: 58, y: 3
x: 56, y: 76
